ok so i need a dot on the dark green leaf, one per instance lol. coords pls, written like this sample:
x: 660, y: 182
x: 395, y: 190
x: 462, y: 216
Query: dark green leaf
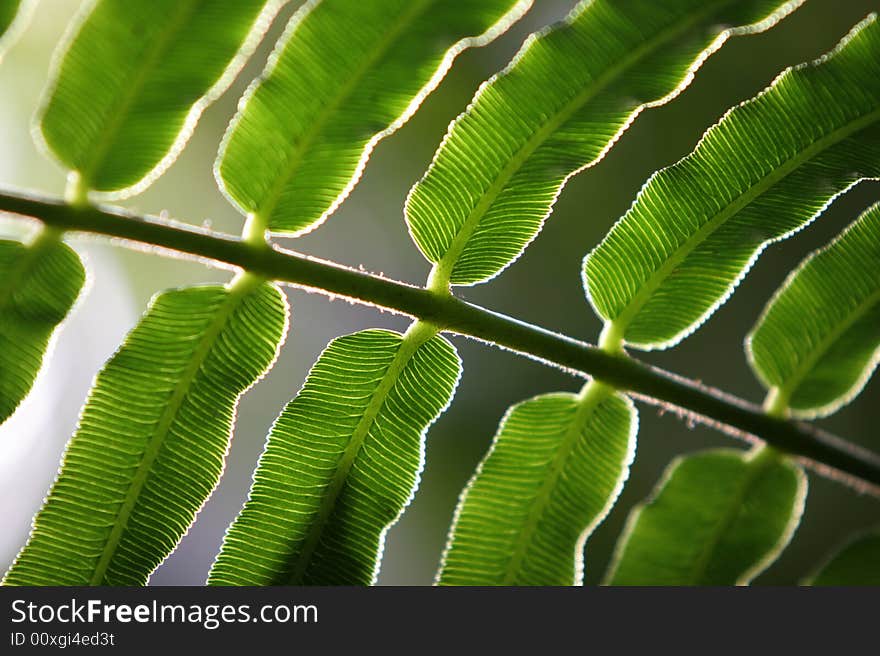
x: 8, y: 11
x: 717, y: 518
x: 14, y: 15
x: 858, y: 563
x: 39, y: 283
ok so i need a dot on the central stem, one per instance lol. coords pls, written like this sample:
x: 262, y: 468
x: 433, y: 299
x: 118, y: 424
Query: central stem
x: 736, y: 417
x: 253, y: 234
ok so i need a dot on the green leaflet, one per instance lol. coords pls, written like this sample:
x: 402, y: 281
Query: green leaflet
x: 556, y: 109
x: 39, y: 283
x: 768, y: 168
x: 717, y: 518
x: 341, y: 462
x: 857, y: 563
x: 555, y: 469
x: 8, y: 11
x: 346, y: 74
x: 132, y: 79
x: 818, y: 340
x: 152, y: 438
x: 13, y: 16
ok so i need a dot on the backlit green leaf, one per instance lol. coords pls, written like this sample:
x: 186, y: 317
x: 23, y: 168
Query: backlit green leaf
x: 133, y: 78
x: 858, y: 563
x: 717, y: 518
x: 38, y: 285
x: 768, y: 168
x: 555, y: 469
x: 341, y: 463
x: 818, y: 340
x: 152, y: 438
x: 556, y: 109
x: 346, y: 74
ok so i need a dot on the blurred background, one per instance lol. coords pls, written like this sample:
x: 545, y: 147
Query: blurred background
x: 543, y: 287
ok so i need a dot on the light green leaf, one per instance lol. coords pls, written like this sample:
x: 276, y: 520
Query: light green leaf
x: 39, y: 283
x: 857, y: 563
x: 345, y: 74
x: 152, y: 438
x: 341, y: 463
x: 717, y: 518
x: 768, y: 168
x: 556, y: 109
x: 132, y: 78
x: 555, y: 469
x: 818, y: 340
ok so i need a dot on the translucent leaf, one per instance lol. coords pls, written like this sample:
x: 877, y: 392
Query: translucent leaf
x: 132, y: 79
x: 857, y: 563
x: 717, y: 518
x: 341, y: 462
x: 556, y: 109
x: 555, y: 469
x: 346, y: 74
x: 768, y: 168
x: 152, y: 438
x: 818, y: 340
x: 39, y: 283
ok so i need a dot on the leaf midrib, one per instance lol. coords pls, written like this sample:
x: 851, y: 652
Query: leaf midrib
x: 419, y: 333
x: 805, y: 366
x: 445, y: 267
x: 235, y: 295
x: 265, y: 210
x: 625, y: 317
x: 185, y: 9
x: 754, y: 467
x: 594, y: 395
